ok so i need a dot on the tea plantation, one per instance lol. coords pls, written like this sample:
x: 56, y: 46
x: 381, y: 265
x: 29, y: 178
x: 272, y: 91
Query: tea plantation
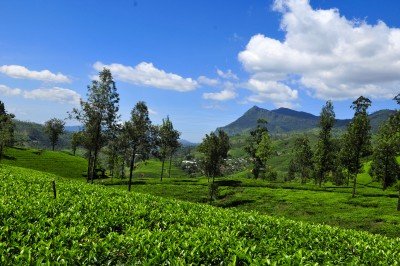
x: 96, y: 225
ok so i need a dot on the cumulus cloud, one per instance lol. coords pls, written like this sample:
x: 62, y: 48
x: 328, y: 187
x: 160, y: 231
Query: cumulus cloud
x: 223, y: 95
x: 152, y: 111
x: 330, y: 56
x: 278, y: 93
x: 55, y: 94
x: 7, y: 91
x: 227, y: 75
x: 207, y: 81
x: 146, y: 74
x: 22, y: 72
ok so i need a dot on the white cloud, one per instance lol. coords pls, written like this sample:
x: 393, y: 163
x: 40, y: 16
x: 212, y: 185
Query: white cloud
x: 146, y: 74
x: 55, y: 94
x: 278, y: 93
x: 220, y: 96
x: 329, y: 55
x: 7, y: 91
x: 227, y: 75
x: 22, y: 72
x: 152, y: 112
x: 207, y: 81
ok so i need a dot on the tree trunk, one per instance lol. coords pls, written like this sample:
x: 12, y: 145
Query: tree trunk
x: 53, y: 146
x: 354, y: 186
x: 94, y: 162
x: 131, y: 169
x: 170, y: 163
x: 162, y: 167
x: 89, y: 165
x: 1, y: 152
x: 398, y: 202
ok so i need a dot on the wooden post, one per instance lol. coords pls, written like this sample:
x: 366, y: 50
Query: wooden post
x: 54, y: 189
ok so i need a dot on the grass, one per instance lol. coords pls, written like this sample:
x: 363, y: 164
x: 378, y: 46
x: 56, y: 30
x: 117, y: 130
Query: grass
x: 89, y: 224
x: 373, y: 209
x: 60, y: 163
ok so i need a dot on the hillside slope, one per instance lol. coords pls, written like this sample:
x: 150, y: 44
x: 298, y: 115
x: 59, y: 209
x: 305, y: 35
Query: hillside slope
x: 285, y: 120
x: 32, y: 135
x: 59, y: 163
x: 89, y: 224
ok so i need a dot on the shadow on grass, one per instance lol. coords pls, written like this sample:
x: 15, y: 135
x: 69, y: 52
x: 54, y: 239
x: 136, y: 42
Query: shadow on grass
x: 229, y: 183
x: 125, y: 183
x: 185, y: 181
x: 7, y: 157
x: 234, y: 203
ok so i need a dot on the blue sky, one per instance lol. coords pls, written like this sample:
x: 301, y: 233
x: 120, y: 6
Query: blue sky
x: 203, y: 63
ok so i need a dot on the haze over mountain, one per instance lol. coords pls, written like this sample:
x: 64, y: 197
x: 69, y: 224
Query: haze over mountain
x: 284, y: 120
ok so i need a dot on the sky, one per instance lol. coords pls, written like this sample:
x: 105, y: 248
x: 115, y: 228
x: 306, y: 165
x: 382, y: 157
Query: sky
x: 202, y: 63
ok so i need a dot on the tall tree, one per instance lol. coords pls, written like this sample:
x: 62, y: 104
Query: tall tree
x: 54, y: 128
x: 138, y: 134
x: 215, y: 149
x: 358, y: 138
x: 6, y: 128
x: 98, y: 114
x: 168, y: 141
x: 252, y: 144
x: 264, y: 150
x: 77, y: 140
x: 303, y: 157
x: 384, y: 164
x: 324, y: 155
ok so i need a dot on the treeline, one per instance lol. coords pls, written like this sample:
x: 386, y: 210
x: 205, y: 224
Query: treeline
x: 122, y: 143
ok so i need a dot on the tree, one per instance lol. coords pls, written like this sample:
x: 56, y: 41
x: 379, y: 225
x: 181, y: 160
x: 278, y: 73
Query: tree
x: 168, y: 142
x: 264, y: 150
x: 6, y: 128
x: 384, y: 164
x: 252, y: 143
x: 98, y: 114
x: 54, y: 128
x: 77, y: 140
x: 357, y: 139
x: 215, y: 149
x: 303, y: 157
x: 324, y: 155
x: 138, y: 134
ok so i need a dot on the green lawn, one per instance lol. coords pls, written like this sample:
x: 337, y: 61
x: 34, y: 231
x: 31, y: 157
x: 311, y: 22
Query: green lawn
x: 59, y: 163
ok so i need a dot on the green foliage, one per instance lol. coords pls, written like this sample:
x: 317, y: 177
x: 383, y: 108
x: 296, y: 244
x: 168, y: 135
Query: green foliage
x: 96, y: 225
x: 214, y: 149
x: 303, y: 158
x: 98, y: 116
x: 54, y: 128
x: 324, y: 155
x: 6, y: 129
x: 78, y: 140
x: 252, y: 146
x: 138, y: 135
x: 168, y: 141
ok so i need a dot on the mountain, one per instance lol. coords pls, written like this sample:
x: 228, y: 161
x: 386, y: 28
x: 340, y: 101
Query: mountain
x: 33, y: 135
x: 73, y: 128
x: 285, y: 120
x: 186, y: 143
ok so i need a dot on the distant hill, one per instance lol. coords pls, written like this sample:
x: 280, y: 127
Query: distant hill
x: 285, y: 120
x: 31, y: 134
x: 73, y: 128
x: 186, y: 143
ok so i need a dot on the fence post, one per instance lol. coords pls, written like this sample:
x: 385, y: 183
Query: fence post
x: 54, y: 189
